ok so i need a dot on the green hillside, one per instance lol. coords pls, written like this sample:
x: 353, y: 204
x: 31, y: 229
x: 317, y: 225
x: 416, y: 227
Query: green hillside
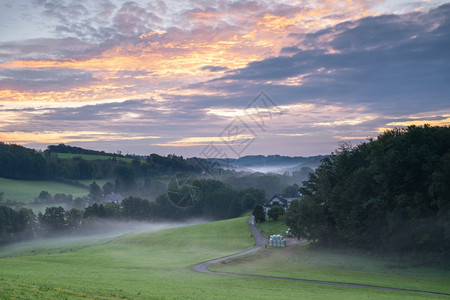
x: 27, y: 190
x: 157, y: 265
x: 93, y: 157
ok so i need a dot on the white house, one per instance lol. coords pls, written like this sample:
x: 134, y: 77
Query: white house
x: 279, y: 200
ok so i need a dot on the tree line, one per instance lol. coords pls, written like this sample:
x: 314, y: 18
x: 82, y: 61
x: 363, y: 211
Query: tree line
x: 17, y: 162
x: 391, y: 193
x: 216, y: 200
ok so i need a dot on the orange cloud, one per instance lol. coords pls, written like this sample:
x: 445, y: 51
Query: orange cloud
x: 229, y: 37
x: 51, y: 137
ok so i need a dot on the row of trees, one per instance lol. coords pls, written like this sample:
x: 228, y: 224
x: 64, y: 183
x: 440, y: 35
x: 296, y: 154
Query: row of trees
x: 392, y: 193
x: 216, y: 200
x: 17, y: 162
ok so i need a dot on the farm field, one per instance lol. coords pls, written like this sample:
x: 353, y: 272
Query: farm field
x: 297, y: 261
x: 157, y: 265
x: 272, y: 227
x: 27, y: 190
x: 92, y: 157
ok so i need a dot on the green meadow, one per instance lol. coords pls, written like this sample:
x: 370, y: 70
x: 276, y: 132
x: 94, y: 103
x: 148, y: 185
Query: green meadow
x: 158, y: 265
x: 93, y: 157
x: 27, y: 190
x: 272, y: 227
x: 303, y: 262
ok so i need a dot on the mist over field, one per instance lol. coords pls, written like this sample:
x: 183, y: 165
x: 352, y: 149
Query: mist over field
x: 103, y: 232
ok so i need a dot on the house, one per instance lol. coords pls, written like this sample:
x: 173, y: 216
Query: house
x: 279, y: 200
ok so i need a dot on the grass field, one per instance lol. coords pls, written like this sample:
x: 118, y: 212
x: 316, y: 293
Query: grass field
x: 272, y: 227
x: 157, y: 265
x: 92, y: 157
x: 303, y: 262
x: 27, y: 190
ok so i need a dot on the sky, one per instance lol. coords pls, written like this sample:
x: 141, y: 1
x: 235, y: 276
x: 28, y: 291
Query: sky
x: 220, y: 78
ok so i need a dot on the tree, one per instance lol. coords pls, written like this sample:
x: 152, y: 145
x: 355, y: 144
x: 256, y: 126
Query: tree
x: 45, y: 197
x: 79, y: 203
x: 275, y: 212
x: 290, y: 190
x: 74, y: 218
x: 85, y: 169
x: 94, y: 191
x: 248, y: 201
x: 53, y: 219
x: 125, y: 176
x: 305, y: 219
x: 108, y: 188
x: 136, y: 208
x: 388, y: 194
x: 258, y: 212
x: 62, y: 198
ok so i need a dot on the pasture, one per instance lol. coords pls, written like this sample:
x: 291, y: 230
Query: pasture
x: 93, y: 157
x: 157, y: 265
x: 301, y: 261
x: 27, y: 190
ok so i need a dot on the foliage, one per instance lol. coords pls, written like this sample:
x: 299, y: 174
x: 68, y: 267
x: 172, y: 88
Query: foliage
x: 391, y: 193
x: 290, y: 191
x: 94, y: 191
x: 137, y: 208
x: 258, y: 212
x: 275, y: 212
x: 17, y: 162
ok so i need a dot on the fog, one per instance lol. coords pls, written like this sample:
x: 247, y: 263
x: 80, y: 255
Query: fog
x: 279, y: 169
x: 104, y: 232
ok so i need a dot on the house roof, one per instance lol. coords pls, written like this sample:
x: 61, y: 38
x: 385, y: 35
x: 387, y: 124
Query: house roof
x: 285, y: 201
x: 280, y: 198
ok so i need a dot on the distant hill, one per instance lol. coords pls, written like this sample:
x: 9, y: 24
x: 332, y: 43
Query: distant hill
x: 270, y: 164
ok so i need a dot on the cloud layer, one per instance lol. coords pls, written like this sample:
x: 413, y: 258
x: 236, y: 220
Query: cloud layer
x: 170, y: 77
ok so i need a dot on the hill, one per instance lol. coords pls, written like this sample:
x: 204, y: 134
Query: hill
x: 157, y: 265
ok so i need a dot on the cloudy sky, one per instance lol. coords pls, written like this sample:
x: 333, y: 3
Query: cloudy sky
x: 220, y: 78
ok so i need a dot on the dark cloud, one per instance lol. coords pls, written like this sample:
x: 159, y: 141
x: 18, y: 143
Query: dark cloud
x: 44, y: 80
x: 214, y: 68
x: 42, y: 48
x: 389, y: 62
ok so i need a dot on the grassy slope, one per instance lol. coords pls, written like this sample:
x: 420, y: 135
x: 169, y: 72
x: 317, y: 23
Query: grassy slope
x: 338, y: 266
x: 93, y: 157
x: 27, y: 190
x: 157, y: 266
x: 272, y: 227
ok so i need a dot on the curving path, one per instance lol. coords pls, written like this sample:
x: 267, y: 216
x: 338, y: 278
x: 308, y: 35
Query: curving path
x: 261, y: 241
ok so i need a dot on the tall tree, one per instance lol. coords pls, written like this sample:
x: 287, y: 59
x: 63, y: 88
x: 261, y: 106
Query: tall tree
x: 258, y: 213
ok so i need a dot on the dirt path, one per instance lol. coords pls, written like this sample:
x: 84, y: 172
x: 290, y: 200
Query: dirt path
x: 261, y: 241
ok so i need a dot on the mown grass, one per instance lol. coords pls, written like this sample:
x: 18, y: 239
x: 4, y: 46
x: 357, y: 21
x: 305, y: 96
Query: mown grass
x: 272, y: 227
x: 93, y: 157
x: 302, y: 262
x: 27, y: 190
x: 157, y: 265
